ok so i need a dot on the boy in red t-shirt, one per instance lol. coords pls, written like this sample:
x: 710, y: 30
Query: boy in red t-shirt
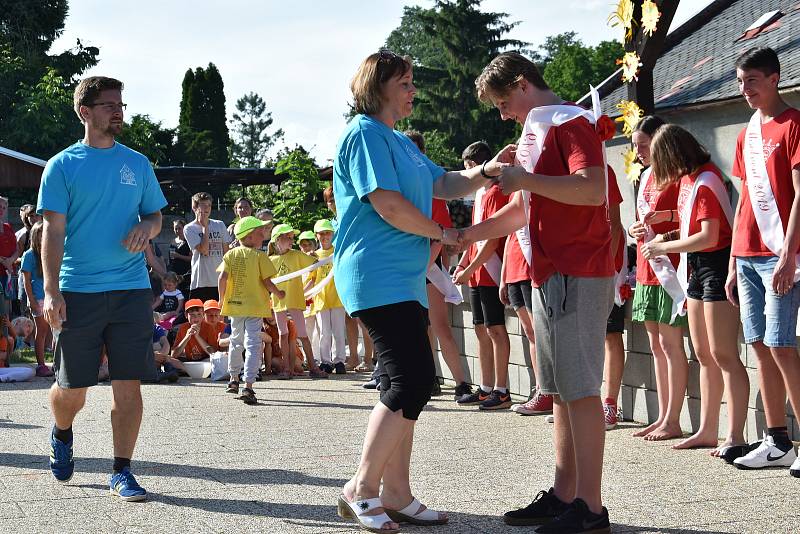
x: 480, y: 267
x: 765, y: 244
x: 572, y: 270
x: 196, y: 339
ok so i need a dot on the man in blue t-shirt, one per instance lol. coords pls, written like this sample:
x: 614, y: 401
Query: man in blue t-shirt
x: 101, y: 204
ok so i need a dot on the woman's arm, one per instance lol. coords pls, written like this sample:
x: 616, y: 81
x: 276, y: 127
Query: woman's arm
x: 705, y: 238
x: 458, y: 184
x: 393, y: 208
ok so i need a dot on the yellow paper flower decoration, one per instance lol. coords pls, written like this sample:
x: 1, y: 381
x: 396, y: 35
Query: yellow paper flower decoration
x: 650, y: 16
x: 623, y: 16
x: 630, y: 66
x: 630, y: 114
x: 632, y: 166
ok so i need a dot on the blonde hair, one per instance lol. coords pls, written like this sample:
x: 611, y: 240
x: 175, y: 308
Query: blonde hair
x: 504, y: 72
x: 17, y: 321
x: 674, y: 153
x: 372, y: 74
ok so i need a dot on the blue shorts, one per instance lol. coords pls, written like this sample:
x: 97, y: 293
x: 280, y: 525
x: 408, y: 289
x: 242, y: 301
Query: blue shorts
x: 766, y: 316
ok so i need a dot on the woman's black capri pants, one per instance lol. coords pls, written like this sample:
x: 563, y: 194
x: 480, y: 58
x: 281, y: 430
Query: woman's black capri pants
x: 400, y: 334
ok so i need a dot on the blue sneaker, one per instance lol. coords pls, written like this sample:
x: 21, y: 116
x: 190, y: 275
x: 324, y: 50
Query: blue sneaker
x: 61, y: 464
x: 124, y: 486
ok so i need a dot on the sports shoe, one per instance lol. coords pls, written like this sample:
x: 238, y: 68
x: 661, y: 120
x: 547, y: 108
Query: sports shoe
x: 340, y: 368
x: 496, y: 401
x: 766, y: 455
x: 473, y: 398
x: 610, y: 411
x: 370, y: 384
x: 544, y: 508
x: 61, y: 463
x: 462, y: 389
x: 43, y: 371
x: 248, y: 396
x: 436, y: 388
x: 539, y: 404
x: 795, y: 469
x: 124, y: 486
x: 233, y: 387
x: 578, y: 518
x: 328, y: 368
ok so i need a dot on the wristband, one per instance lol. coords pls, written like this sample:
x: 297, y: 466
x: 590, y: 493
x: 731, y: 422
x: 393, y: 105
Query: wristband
x: 671, y: 215
x: 483, y: 171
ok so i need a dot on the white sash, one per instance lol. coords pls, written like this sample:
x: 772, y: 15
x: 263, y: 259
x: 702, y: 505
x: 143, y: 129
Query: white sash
x: 762, y: 199
x: 444, y: 284
x: 661, y: 265
x: 313, y: 291
x: 713, y: 182
x: 493, y: 265
x: 301, y: 272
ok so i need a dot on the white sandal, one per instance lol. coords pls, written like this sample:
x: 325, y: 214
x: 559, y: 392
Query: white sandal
x: 409, y: 515
x: 358, y: 509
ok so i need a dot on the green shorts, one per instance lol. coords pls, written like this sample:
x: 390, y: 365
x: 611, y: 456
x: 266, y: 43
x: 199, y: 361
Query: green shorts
x: 653, y: 303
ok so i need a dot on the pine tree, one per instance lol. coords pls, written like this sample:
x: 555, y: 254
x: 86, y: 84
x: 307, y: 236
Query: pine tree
x: 250, y: 125
x: 202, y: 127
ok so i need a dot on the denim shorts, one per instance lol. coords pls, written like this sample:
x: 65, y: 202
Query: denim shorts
x: 766, y: 316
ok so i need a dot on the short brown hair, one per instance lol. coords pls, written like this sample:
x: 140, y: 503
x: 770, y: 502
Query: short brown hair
x: 197, y: 198
x: 372, y: 74
x: 674, y: 153
x: 504, y: 72
x: 90, y: 88
x: 479, y: 152
x: 417, y: 138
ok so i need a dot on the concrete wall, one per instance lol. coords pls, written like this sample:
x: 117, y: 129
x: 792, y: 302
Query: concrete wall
x: 638, y: 397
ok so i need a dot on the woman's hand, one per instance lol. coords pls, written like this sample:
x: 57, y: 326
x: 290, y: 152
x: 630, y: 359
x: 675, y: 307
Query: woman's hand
x: 460, y: 276
x: 504, y: 294
x: 637, y: 230
x: 503, y: 158
x: 653, y: 249
x: 783, y: 275
x: 656, y: 217
x: 451, y: 236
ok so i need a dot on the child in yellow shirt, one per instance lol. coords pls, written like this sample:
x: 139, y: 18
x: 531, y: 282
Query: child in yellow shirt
x: 288, y: 260
x: 328, y: 308
x: 244, y: 287
x: 307, y: 242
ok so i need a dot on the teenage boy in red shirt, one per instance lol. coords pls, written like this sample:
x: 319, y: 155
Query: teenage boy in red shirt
x: 572, y: 270
x: 762, y: 278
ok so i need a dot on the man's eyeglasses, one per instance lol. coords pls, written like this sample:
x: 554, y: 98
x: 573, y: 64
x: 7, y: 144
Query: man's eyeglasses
x: 109, y: 106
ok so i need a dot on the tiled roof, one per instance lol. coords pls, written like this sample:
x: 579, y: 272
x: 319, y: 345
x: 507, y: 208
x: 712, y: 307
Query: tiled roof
x: 697, y: 65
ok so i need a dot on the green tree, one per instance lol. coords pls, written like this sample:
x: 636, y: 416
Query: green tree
x: 202, y: 127
x: 450, y: 44
x: 297, y: 201
x: 150, y: 138
x: 439, y: 149
x: 33, y: 83
x: 252, y: 143
x: 570, y: 66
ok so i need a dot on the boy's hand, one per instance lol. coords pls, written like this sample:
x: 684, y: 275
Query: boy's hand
x: 193, y: 330
x: 281, y: 294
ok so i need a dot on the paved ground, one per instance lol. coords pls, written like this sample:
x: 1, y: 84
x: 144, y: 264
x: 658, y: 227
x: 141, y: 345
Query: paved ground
x: 212, y: 464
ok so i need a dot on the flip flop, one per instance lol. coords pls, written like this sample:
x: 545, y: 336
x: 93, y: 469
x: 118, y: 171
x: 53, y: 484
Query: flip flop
x: 357, y: 510
x: 409, y: 514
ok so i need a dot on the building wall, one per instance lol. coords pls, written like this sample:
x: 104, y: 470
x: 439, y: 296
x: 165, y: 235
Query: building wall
x: 638, y: 398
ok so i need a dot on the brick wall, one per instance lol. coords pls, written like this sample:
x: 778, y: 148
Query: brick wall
x: 638, y: 396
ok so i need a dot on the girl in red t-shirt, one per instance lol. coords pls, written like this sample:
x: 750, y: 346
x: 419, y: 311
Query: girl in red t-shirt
x: 652, y: 305
x: 704, y: 212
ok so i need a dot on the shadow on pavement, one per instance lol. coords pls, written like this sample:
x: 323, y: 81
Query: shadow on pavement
x: 225, y: 475
x: 11, y: 425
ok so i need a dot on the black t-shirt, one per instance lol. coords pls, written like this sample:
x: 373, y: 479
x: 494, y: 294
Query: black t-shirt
x: 179, y: 266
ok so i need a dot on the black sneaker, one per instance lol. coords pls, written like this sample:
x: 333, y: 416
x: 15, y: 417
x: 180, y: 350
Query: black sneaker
x: 371, y: 384
x: 496, y: 401
x: 462, y: 389
x: 328, y: 368
x: 473, y: 398
x: 248, y: 396
x: 233, y: 387
x: 578, y: 519
x: 544, y: 508
x: 436, y: 388
x: 340, y: 368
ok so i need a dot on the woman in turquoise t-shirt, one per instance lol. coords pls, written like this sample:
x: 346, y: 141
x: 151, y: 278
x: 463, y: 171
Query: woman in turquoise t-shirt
x: 383, y: 187
x: 33, y: 282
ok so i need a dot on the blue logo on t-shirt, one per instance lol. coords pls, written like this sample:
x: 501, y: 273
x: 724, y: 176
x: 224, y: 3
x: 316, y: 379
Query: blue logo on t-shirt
x: 127, y: 176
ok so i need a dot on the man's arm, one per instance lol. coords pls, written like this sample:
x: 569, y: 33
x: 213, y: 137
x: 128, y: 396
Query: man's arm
x: 53, y: 232
x: 783, y: 275
x: 156, y: 263
x: 586, y: 187
x: 142, y: 232
x: 617, y: 230
x: 507, y: 219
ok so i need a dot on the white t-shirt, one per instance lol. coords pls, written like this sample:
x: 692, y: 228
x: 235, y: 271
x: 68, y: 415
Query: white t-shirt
x: 204, y: 268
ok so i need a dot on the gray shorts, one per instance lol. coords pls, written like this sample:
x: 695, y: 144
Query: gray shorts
x: 120, y: 321
x: 569, y: 319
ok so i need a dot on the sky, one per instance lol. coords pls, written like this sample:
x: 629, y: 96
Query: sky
x: 298, y: 55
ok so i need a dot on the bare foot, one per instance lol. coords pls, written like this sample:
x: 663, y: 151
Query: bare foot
x: 664, y: 432
x: 348, y: 491
x: 392, y: 503
x: 646, y: 430
x: 716, y: 453
x: 697, y: 441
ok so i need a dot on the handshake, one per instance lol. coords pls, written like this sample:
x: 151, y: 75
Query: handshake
x: 456, y: 240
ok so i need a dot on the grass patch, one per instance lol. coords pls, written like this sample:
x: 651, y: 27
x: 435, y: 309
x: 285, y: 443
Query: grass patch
x: 29, y: 356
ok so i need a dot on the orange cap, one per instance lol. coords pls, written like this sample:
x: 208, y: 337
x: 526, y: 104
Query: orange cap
x: 211, y: 305
x: 193, y: 303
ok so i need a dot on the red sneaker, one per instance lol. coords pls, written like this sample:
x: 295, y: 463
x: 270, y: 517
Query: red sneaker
x: 43, y: 370
x: 539, y: 404
x: 610, y: 411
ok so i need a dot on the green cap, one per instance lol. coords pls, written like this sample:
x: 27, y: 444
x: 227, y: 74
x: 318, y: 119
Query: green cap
x: 308, y: 234
x: 281, y: 229
x: 245, y: 225
x: 323, y: 225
